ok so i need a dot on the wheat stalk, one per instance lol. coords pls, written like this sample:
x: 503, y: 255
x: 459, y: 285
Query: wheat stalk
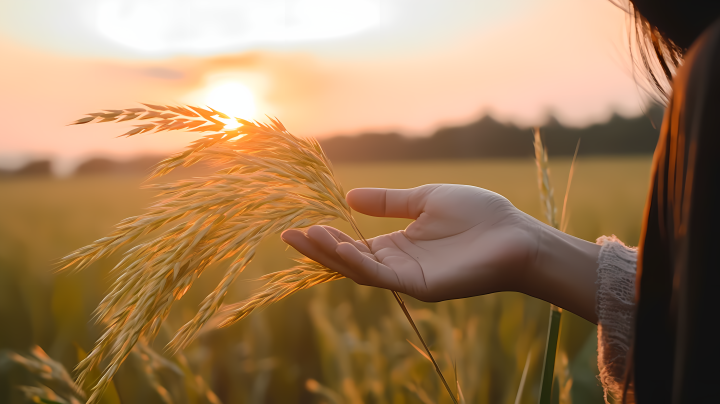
x: 268, y: 181
x: 547, y: 199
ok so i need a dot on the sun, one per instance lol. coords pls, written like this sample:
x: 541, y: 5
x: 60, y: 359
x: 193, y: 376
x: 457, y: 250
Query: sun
x: 232, y: 98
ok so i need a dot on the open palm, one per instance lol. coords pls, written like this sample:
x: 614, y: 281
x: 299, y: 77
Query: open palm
x: 464, y: 241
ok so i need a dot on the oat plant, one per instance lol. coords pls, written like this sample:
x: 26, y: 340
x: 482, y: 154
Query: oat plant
x: 547, y: 199
x: 266, y: 181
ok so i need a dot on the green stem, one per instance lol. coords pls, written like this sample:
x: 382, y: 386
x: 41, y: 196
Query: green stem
x: 546, y: 383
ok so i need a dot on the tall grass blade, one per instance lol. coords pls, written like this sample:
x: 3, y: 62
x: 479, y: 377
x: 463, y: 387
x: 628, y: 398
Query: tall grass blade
x: 548, y: 369
x: 548, y: 203
x: 523, y: 378
x: 565, y: 218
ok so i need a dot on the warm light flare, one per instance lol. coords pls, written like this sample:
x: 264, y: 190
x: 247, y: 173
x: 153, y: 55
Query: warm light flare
x: 232, y: 98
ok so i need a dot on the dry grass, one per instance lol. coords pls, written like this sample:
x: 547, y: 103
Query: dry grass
x: 267, y: 181
x: 280, y: 285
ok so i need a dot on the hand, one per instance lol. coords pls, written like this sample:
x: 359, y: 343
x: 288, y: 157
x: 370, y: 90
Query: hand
x: 465, y: 241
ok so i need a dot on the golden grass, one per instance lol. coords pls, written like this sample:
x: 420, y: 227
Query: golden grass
x: 280, y: 285
x: 267, y: 181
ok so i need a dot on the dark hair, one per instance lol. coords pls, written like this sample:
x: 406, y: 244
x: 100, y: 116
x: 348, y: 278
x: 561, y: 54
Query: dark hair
x: 653, y: 54
x: 674, y: 355
x: 658, y: 55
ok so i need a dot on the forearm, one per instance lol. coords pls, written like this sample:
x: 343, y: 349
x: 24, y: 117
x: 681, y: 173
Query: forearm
x: 564, y: 272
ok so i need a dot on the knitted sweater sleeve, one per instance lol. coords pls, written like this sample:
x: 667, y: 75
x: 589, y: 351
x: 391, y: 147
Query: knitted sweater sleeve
x: 615, y: 309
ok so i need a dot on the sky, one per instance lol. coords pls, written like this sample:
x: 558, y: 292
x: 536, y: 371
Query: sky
x: 323, y: 67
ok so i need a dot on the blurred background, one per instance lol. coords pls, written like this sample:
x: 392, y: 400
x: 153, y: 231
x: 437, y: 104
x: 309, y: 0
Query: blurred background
x: 399, y: 92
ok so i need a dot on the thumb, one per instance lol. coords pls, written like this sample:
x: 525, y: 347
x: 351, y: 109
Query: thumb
x: 383, y: 202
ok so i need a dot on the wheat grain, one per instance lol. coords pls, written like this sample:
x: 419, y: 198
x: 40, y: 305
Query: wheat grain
x: 280, y: 285
x: 267, y: 181
x: 547, y: 197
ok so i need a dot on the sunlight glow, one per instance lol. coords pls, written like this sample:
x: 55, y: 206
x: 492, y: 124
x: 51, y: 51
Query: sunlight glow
x: 232, y: 98
x: 171, y: 26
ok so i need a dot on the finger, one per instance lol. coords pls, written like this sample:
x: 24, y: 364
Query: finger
x: 322, y: 237
x: 385, y: 247
x: 300, y: 241
x: 344, y: 238
x: 368, y: 271
x: 327, y: 243
x: 381, y: 202
x: 316, y: 251
x: 305, y: 246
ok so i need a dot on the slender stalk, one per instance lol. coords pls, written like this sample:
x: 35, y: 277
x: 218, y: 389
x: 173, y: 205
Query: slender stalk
x: 523, y: 378
x: 550, y: 210
x: 546, y: 383
x: 563, y: 216
x: 410, y: 320
x: 417, y: 332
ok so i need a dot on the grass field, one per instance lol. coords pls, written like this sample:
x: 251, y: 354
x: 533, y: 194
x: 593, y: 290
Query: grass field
x: 348, y: 340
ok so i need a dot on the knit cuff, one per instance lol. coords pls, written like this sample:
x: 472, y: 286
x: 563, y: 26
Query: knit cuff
x: 615, y: 310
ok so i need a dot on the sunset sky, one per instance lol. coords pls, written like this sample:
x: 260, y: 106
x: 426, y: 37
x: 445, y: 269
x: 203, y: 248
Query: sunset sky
x: 323, y: 67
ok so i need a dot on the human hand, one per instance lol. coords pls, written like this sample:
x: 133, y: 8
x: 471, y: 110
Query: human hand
x: 465, y: 241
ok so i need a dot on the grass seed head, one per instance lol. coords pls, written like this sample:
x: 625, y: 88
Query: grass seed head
x: 547, y: 197
x: 267, y: 181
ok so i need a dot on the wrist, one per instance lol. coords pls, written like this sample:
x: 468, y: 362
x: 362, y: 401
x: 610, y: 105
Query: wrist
x: 563, y: 272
